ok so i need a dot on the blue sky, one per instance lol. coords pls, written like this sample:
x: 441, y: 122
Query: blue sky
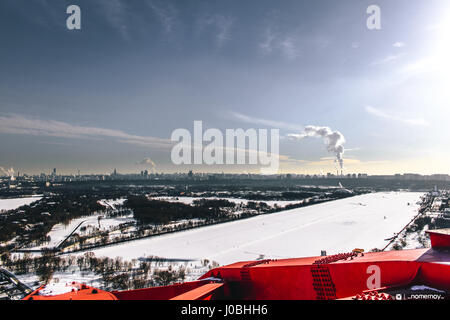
x: 110, y: 94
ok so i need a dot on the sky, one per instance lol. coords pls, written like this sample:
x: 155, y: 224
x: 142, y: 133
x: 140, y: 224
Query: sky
x: 111, y: 94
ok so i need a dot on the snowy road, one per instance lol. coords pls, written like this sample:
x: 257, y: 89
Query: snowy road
x: 337, y: 226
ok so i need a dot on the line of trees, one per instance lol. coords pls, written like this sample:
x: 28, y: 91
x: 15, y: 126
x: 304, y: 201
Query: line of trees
x: 147, y: 211
x: 114, y: 274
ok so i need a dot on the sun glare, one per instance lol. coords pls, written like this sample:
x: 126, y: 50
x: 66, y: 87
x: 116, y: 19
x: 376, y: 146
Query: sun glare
x: 442, y: 48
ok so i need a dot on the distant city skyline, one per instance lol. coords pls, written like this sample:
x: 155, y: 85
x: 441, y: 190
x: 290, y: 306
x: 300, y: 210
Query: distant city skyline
x: 147, y: 173
x: 110, y: 95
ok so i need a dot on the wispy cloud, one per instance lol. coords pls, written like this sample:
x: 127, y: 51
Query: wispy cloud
x: 115, y: 12
x: 417, y: 67
x: 166, y: 13
x: 122, y: 16
x: 274, y: 43
x: 322, y: 41
x: 389, y: 59
x: 382, y: 114
x: 222, y: 25
x: 266, y: 46
x: 19, y: 124
x: 265, y: 122
x: 289, y: 49
x: 289, y: 159
x: 398, y: 44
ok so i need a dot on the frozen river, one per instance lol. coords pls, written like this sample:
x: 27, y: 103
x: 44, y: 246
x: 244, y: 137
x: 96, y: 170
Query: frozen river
x: 337, y: 226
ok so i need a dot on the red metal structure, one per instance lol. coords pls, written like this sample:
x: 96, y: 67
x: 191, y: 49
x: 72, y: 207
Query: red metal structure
x: 355, y: 275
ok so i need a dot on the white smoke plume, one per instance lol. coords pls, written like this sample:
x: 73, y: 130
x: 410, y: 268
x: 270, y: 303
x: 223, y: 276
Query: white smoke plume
x: 148, y: 163
x: 7, y: 172
x: 333, y: 139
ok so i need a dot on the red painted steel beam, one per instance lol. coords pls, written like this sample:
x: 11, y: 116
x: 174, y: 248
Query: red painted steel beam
x: 201, y: 293
x: 440, y: 239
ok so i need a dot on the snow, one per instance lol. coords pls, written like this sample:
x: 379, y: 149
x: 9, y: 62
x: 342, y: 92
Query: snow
x: 60, y: 279
x: 413, y: 239
x: 60, y: 231
x: 190, y: 200
x: 112, y: 203
x: 11, y: 204
x: 336, y: 226
x: 56, y: 288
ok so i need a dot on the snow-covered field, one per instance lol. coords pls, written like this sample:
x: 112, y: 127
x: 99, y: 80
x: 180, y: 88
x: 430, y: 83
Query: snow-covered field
x: 337, y: 226
x: 11, y: 204
x: 113, y: 203
x: 190, y: 200
x: 60, y: 231
x: 32, y: 280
